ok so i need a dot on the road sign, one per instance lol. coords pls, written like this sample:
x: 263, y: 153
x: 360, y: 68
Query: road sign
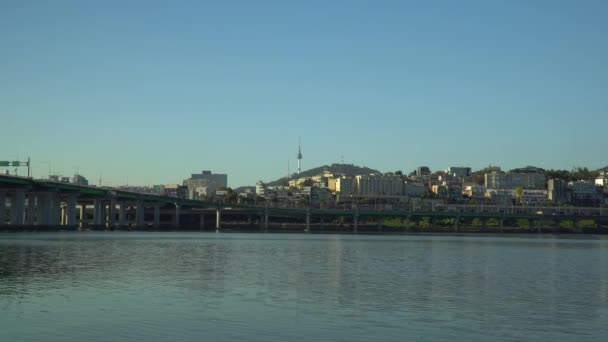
x: 221, y: 193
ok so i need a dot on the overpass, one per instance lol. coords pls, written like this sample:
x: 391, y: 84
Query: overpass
x: 41, y: 203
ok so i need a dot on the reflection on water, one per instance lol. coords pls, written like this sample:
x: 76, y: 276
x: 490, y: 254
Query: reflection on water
x: 190, y: 286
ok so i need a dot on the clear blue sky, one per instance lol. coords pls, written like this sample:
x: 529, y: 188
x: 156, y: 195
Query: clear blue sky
x: 155, y: 90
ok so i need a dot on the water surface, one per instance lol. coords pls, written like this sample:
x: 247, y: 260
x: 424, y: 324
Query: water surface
x: 112, y: 286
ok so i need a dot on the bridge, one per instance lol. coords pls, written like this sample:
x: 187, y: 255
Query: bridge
x: 27, y: 203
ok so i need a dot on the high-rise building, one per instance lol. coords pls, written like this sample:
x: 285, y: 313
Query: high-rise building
x: 205, y: 183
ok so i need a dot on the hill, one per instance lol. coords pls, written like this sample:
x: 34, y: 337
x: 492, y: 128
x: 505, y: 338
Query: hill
x: 336, y: 169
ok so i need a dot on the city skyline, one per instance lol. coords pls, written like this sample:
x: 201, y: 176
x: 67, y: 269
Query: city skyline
x: 230, y: 86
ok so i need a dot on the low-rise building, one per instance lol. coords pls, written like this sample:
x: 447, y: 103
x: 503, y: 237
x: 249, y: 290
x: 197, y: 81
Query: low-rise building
x: 414, y: 189
x: 557, y: 191
x: 533, y: 197
x: 459, y: 172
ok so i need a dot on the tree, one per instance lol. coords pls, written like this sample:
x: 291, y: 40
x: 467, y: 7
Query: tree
x: 518, y: 192
x: 308, y: 182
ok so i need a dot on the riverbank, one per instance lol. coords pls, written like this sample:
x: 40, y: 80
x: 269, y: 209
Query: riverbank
x: 328, y: 229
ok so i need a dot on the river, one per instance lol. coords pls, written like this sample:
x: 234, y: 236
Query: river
x: 119, y: 286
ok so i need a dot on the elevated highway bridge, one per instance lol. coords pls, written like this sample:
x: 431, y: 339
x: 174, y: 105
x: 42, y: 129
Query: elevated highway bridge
x: 27, y: 203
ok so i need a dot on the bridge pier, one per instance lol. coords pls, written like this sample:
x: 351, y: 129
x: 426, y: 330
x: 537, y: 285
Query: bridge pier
x: 456, y: 223
x: 55, y: 203
x: 112, y: 214
x: 83, y: 215
x: 177, y: 216
x: 140, y: 214
x: 322, y: 223
x: 218, y: 219
x: 156, y: 216
x: 63, y: 217
x: 266, y: 219
x: 97, y: 213
x: 202, y: 221
x: 355, y: 223
x: 42, y: 209
x: 17, y: 207
x: 379, y: 221
x: 307, y: 221
x: 31, y: 209
x: 2, y: 207
x: 122, y: 214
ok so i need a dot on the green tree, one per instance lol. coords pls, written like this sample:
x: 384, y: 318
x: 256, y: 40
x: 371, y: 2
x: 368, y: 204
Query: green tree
x: 523, y: 223
x: 518, y: 192
x: 476, y: 222
x: 308, y: 182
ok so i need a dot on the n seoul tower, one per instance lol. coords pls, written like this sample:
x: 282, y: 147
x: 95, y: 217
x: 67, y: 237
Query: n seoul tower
x: 299, y: 156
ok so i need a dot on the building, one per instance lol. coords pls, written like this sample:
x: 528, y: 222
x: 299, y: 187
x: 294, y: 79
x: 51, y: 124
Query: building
x: 496, y: 180
x: 474, y: 190
x: 423, y: 171
x: 205, y: 183
x: 584, y: 192
x: 343, y: 186
x: 557, y: 191
x: 414, y: 190
x: 533, y: 197
x: 459, y: 172
x: 440, y: 190
x: 602, y: 180
x: 79, y: 180
x: 378, y: 185
x: 512, y: 180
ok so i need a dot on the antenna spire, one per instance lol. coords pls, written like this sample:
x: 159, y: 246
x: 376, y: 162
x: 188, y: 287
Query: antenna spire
x: 299, y: 155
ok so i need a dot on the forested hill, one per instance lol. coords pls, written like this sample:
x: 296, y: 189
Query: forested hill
x: 336, y: 169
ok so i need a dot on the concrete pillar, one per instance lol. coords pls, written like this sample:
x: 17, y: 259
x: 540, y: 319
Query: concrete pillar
x: 112, y: 214
x: 408, y: 222
x: 355, y: 223
x: 55, y: 208
x: 249, y: 220
x: 322, y: 223
x: 63, y: 219
x: 307, y: 221
x: 139, y: 214
x: 40, y: 210
x: 31, y: 209
x: 43, y: 209
x: 2, y: 207
x: 122, y: 214
x: 97, y: 212
x: 218, y: 219
x: 202, y: 222
x: 83, y: 215
x: 176, y: 219
x: 17, y: 208
x: 156, y: 216
x: 456, y: 223
x: 501, y: 224
x: 266, y: 220
x: 379, y: 223
x: 70, y: 220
